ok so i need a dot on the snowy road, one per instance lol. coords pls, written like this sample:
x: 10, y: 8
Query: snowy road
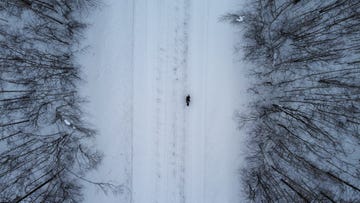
x: 159, y: 51
x: 185, y: 154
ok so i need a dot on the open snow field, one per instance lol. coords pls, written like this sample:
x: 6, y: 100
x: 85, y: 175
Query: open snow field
x: 145, y: 56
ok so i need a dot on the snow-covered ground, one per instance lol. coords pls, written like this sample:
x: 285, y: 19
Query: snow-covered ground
x: 145, y: 57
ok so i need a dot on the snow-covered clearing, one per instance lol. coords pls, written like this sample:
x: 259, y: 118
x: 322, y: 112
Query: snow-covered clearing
x: 145, y: 57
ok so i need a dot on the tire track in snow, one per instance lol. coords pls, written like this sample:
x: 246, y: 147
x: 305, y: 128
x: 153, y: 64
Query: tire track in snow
x: 170, y: 77
x: 197, y: 119
x: 179, y: 92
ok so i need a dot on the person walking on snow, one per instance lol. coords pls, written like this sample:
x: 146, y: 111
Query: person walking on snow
x: 187, y: 99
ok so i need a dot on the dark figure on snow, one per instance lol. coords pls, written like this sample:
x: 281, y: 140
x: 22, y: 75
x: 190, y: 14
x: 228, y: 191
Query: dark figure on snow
x: 187, y: 100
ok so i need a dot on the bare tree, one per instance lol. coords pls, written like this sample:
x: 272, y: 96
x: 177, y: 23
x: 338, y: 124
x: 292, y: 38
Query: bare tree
x: 304, y: 126
x: 44, y: 149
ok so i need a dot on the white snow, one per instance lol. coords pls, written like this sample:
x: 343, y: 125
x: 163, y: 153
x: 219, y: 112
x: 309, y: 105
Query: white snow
x: 108, y: 72
x: 240, y: 19
x: 145, y: 57
x: 67, y: 122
